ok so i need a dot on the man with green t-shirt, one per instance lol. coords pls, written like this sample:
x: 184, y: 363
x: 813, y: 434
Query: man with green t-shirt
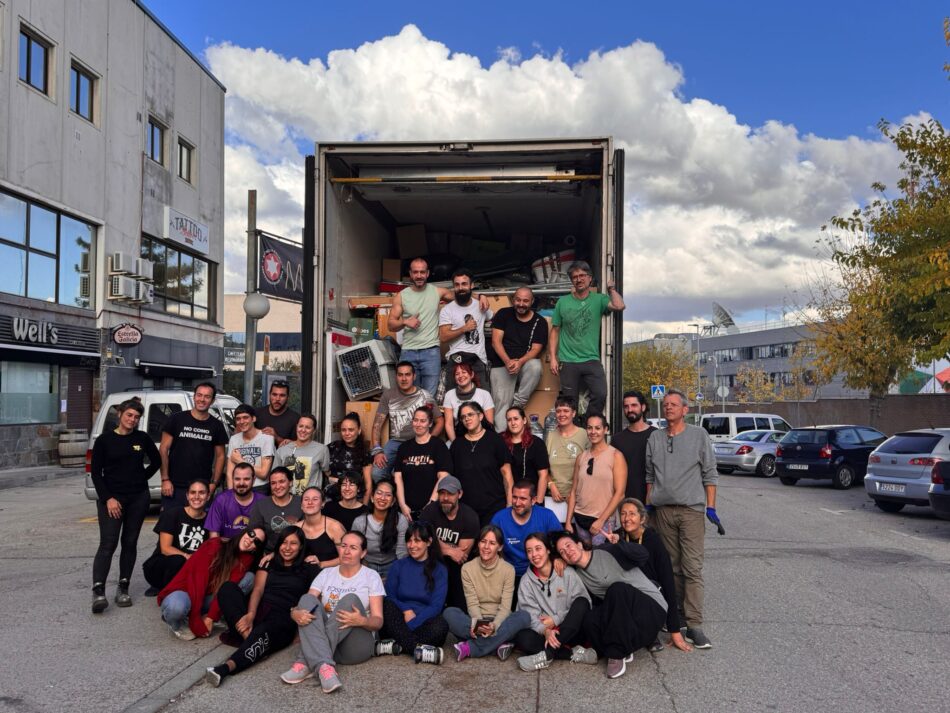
x: 574, y: 343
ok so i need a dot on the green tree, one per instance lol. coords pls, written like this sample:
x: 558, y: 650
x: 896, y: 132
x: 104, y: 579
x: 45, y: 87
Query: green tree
x: 645, y: 365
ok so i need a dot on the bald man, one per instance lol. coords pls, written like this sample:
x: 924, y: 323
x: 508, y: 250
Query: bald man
x: 518, y: 336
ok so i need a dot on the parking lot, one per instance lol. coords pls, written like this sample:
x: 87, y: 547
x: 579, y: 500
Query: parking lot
x: 815, y: 600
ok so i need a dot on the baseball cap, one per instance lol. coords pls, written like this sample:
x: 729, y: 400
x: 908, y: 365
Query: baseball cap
x: 450, y: 484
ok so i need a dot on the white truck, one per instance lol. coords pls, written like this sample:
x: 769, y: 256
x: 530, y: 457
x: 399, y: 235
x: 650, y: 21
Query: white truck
x: 495, y: 206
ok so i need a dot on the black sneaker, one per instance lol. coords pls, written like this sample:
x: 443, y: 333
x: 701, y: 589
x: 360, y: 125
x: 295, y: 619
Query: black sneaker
x: 152, y: 592
x: 656, y: 646
x: 697, y: 638
x: 387, y: 647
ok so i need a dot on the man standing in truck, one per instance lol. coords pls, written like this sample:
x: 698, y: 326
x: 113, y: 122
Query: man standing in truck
x: 574, y: 344
x: 462, y: 326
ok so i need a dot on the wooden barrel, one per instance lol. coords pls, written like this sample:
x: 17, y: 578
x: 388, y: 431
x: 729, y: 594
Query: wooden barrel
x: 72, y: 447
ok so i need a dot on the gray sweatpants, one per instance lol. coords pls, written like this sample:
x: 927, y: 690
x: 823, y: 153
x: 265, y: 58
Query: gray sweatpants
x: 323, y: 641
x: 508, y: 390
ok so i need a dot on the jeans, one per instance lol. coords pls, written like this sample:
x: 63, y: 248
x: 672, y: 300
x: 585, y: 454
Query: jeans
x: 177, y: 606
x: 427, y: 363
x: 513, y: 390
x: 460, y: 624
x: 389, y: 450
x: 683, y: 531
x: 125, y: 529
x: 590, y: 374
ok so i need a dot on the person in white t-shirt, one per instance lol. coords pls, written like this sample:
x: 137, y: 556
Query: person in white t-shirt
x: 466, y: 389
x: 338, y: 617
x: 250, y: 445
x: 462, y: 327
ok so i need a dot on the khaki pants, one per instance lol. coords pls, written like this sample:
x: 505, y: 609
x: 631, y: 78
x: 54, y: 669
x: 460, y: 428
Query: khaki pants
x: 683, y: 531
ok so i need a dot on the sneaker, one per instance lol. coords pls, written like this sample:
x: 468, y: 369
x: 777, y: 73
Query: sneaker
x: 296, y: 673
x: 697, y: 638
x: 427, y: 653
x: 628, y: 658
x: 656, y: 646
x: 184, y: 633
x: 535, y: 662
x: 152, y: 592
x: 387, y: 647
x: 99, y: 603
x: 504, y: 651
x: 329, y: 681
x: 582, y: 654
x: 212, y: 676
x: 462, y: 650
x: 616, y: 668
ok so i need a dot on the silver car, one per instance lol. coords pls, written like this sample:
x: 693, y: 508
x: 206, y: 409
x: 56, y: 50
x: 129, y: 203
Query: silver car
x: 749, y: 452
x: 899, y: 469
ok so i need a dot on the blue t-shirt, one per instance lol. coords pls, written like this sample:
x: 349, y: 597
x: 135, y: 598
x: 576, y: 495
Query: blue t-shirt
x: 227, y: 516
x: 541, y: 520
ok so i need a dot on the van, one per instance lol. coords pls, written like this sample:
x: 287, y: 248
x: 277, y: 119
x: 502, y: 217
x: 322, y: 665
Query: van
x: 159, y: 405
x: 726, y: 426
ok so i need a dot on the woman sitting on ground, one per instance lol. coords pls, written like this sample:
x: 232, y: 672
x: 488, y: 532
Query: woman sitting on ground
x: 384, y: 527
x: 261, y: 624
x: 189, y: 602
x: 466, y: 389
x: 180, y: 532
x: 348, y: 506
x: 350, y: 455
x: 557, y: 605
x: 321, y: 534
x: 337, y: 618
x: 415, y: 595
x: 489, y: 584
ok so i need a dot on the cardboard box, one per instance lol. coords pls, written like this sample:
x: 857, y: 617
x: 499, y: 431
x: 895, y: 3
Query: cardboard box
x: 367, y: 412
x: 548, y: 382
x: 391, y: 270
x: 370, y: 301
x: 497, y: 302
x: 412, y: 241
x: 382, y: 323
x: 540, y: 403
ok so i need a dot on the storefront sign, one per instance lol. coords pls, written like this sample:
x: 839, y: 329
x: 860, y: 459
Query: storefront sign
x: 233, y: 355
x: 186, y: 231
x: 34, y: 332
x: 281, y: 269
x: 127, y: 334
x: 44, y: 335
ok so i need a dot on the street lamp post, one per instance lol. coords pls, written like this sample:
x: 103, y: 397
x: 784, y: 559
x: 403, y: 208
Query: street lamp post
x: 256, y: 305
x: 699, y: 372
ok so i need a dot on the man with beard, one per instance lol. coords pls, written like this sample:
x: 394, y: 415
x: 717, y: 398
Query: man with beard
x: 523, y: 518
x: 278, y: 420
x: 231, y: 510
x: 632, y: 442
x: 518, y: 335
x: 462, y: 326
x: 456, y: 529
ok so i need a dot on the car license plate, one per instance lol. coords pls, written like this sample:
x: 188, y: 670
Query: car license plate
x: 797, y: 466
x: 891, y: 488
x: 722, y: 450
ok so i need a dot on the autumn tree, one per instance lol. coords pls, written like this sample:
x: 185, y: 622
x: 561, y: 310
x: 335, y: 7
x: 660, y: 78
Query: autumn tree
x: 753, y: 385
x: 802, y: 382
x: 645, y: 365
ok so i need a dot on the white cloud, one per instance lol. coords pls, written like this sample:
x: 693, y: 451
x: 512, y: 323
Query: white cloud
x: 716, y: 209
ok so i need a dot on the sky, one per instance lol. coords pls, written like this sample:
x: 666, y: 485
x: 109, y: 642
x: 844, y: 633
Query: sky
x: 747, y: 125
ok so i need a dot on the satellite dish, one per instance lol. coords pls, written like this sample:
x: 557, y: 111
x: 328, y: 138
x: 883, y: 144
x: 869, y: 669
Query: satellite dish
x: 722, y: 318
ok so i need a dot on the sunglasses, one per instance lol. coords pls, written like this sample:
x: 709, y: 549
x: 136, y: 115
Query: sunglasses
x: 590, y: 466
x: 256, y: 540
x: 669, y: 444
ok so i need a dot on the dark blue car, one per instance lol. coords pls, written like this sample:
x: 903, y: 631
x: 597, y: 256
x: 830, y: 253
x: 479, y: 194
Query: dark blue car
x: 836, y: 453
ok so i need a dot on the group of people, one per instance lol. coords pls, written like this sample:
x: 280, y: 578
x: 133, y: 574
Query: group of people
x: 505, y: 540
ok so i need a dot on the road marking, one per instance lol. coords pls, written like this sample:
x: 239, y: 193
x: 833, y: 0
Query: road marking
x: 904, y: 534
x: 95, y: 519
x: 834, y: 512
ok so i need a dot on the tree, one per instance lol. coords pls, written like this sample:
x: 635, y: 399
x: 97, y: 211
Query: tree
x: 645, y: 365
x: 802, y: 382
x: 753, y: 385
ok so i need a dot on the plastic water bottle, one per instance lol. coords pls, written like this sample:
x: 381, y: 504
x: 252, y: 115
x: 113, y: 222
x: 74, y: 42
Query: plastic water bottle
x: 536, y: 429
x: 550, y: 423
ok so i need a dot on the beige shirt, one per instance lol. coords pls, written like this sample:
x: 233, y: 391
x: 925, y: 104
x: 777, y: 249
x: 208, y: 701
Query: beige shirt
x: 595, y: 491
x: 488, y: 590
x: 562, y: 452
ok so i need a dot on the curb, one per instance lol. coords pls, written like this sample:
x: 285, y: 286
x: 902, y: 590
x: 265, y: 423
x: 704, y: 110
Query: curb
x: 17, y: 480
x: 178, y: 684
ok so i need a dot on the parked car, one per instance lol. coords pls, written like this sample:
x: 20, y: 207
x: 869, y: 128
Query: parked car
x: 726, y: 426
x: 657, y: 422
x: 838, y: 453
x: 899, y: 469
x: 940, y: 489
x: 159, y: 405
x: 749, y: 452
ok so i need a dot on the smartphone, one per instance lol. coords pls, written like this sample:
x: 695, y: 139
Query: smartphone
x: 485, y: 621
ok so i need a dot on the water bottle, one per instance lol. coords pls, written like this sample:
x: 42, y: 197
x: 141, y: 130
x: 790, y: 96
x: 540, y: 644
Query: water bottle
x: 550, y: 423
x: 536, y: 429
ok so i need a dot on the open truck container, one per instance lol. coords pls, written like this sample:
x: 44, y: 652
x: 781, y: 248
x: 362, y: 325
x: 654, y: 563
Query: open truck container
x: 515, y: 201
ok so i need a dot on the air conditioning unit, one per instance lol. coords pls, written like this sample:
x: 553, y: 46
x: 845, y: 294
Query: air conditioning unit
x: 144, y: 269
x: 144, y: 293
x: 122, y: 288
x: 85, y: 286
x: 366, y: 369
x: 120, y: 264
x: 84, y: 263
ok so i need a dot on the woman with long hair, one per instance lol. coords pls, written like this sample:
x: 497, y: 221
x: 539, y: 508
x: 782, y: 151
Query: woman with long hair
x: 659, y: 568
x: 600, y: 482
x: 384, y: 528
x: 415, y: 595
x: 348, y: 506
x: 190, y: 601
x: 529, y: 457
x: 278, y: 511
x: 120, y: 477
x: 321, y: 534
x: 482, y: 464
x: 556, y: 604
x: 260, y: 625
x: 305, y: 458
x: 350, y: 455
x: 420, y: 464
x: 181, y: 530
x: 466, y: 389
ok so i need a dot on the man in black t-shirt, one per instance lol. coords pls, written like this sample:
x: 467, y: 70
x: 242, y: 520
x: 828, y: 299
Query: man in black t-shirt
x: 632, y: 442
x: 456, y: 529
x: 277, y: 419
x: 518, y: 336
x: 192, y: 448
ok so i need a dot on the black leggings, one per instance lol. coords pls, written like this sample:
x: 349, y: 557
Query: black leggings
x: 111, y: 530
x: 570, y: 633
x: 160, y: 569
x: 273, y: 629
x: 395, y: 627
x: 627, y: 620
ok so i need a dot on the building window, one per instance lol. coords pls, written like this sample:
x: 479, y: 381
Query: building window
x: 44, y: 254
x: 34, y: 61
x: 182, y: 280
x: 29, y: 393
x: 81, y: 85
x: 155, y: 141
x: 185, y: 154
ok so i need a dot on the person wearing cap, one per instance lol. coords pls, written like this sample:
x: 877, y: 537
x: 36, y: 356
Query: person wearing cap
x: 456, y: 528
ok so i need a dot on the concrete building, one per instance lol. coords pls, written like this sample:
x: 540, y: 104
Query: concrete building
x: 111, y: 215
x: 281, y: 326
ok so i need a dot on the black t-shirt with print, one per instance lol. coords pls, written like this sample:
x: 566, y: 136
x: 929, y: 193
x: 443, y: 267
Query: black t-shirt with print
x: 518, y: 336
x: 465, y: 526
x: 420, y: 465
x: 192, y: 453
x: 187, y: 532
x: 344, y: 458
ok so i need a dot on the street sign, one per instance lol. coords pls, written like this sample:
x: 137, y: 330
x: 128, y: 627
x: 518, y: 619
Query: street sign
x: 723, y: 391
x: 657, y: 391
x: 699, y: 396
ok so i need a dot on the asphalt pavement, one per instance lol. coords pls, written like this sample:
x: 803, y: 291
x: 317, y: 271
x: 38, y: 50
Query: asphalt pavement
x: 815, y: 601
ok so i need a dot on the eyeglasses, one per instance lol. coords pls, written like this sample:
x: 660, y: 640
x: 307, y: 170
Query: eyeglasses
x: 590, y: 466
x: 669, y: 444
x: 382, y: 494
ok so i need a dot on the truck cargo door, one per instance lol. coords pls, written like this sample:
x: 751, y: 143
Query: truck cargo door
x: 616, y: 376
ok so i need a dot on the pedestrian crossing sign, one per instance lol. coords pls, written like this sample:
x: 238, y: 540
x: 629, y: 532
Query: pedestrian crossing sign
x: 657, y: 391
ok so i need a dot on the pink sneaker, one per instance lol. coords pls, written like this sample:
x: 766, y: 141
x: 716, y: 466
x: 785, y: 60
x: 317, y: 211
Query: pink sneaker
x: 329, y: 681
x: 297, y: 673
x: 462, y: 650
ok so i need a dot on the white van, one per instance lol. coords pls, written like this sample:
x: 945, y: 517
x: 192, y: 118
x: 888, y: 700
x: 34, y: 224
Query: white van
x: 726, y: 426
x: 159, y: 405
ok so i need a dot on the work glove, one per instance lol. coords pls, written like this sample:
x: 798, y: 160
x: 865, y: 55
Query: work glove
x: 714, y: 519
x: 650, y: 509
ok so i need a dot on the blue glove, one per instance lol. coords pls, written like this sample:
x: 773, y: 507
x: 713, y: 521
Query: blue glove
x: 650, y: 509
x: 714, y: 519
